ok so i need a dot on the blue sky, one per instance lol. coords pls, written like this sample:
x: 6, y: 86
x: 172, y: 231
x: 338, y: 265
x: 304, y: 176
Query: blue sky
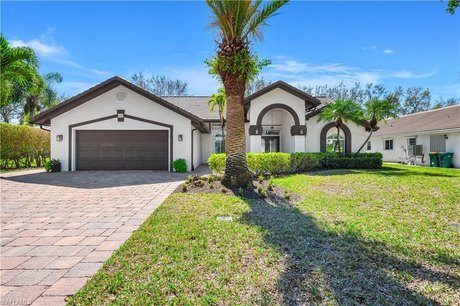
x: 393, y: 43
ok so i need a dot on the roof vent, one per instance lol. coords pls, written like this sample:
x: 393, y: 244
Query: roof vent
x: 121, y: 96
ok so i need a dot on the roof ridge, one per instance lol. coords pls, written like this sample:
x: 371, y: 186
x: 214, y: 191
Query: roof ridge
x: 427, y: 111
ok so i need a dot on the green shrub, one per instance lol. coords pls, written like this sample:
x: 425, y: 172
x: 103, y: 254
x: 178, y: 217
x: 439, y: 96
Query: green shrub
x: 270, y: 184
x: 353, y: 161
x: 279, y: 163
x: 53, y: 165
x: 269, y: 163
x: 262, y: 192
x: 287, y: 195
x: 216, y: 163
x: 301, y: 162
x: 180, y: 165
x: 20, y: 145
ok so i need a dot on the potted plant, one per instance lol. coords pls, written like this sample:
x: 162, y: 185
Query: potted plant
x: 53, y: 165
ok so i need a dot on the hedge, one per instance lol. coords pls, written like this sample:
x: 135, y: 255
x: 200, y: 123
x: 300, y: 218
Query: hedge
x: 21, y: 145
x: 279, y: 163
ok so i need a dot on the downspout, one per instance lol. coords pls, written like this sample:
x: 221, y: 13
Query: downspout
x: 193, y: 166
x: 42, y: 128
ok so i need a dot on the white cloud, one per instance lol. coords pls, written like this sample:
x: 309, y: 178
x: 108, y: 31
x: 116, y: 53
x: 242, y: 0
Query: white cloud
x: 73, y: 88
x: 388, y: 51
x: 405, y: 74
x: 200, y: 82
x: 100, y: 72
x: 42, y: 48
x: 47, y: 48
x: 296, y: 72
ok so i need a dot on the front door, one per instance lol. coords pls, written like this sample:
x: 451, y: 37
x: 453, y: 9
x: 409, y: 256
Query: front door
x: 270, y: 144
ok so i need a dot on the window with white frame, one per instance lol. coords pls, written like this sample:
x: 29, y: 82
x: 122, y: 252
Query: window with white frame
x: 412, y: 141
x: 369, y: 146
x: 388, y: 144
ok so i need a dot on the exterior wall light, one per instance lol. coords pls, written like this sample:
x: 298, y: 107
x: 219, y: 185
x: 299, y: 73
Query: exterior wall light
x: 120, y: 115
x: 179, y: 137
x: 59, y: 137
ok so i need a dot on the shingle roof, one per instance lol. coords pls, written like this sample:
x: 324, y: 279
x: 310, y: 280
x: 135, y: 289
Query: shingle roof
x: 432, y: 120
x: 197, y: 105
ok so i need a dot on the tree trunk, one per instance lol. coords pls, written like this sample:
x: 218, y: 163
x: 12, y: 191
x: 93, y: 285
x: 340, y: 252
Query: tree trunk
x: 236, y: 170
x: 32, y: 105
x: 367, y: 139
x: 338, y: 140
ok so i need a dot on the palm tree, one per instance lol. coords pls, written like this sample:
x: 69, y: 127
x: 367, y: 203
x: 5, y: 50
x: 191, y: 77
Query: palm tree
x: 376, y: 110
x: 341, y: 111
x: 237, y: 23
x: 41, y: 94
x: 218, y: 100
x: 18, y: 65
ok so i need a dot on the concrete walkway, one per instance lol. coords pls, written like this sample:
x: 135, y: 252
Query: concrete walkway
x: 57, y: 229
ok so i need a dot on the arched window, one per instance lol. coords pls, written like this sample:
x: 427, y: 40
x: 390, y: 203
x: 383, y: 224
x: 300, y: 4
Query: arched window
x: 328, y: 138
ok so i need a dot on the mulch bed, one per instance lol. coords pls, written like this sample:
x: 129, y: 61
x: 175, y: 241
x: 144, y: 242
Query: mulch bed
x: 277, y: 195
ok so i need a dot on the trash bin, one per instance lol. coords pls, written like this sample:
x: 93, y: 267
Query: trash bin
x: 434, y: 160
x: 446, y: 160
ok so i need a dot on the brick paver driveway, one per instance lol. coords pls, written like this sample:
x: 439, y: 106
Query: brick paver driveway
x: 57, y: 229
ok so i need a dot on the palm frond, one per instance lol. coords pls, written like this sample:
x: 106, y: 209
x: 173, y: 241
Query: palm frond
x: 259, y: 19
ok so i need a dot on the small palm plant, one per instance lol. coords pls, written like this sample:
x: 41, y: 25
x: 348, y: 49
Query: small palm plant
x: 219, y: 100
x: 341, y: 111
x: 376, y: 110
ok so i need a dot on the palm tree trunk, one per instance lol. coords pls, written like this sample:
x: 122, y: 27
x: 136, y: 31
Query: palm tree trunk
x: 236, y: 170
x: 338, y: 140
x: 367, y: 139
x: 32, y: 105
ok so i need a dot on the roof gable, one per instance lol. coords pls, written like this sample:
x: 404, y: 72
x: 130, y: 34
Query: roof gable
x: 312, y: 101
x: 46, y: 116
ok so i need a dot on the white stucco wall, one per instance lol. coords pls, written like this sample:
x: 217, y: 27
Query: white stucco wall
x: 288, y: 143
x: 107, y: 105
x: 400, y: 142
x: 196, y: 148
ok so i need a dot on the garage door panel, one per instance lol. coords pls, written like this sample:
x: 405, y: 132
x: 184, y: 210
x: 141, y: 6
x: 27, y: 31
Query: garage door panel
x: 122, y: 150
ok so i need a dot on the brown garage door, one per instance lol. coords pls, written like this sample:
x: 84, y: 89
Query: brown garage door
x: 122, y: 150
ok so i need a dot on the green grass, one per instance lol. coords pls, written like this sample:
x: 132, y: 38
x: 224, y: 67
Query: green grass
x: 373, y: 237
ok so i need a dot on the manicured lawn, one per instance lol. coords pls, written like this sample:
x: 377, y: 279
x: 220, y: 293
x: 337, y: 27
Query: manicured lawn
x: 389, y: 236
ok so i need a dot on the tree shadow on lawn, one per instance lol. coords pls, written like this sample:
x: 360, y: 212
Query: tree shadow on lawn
x: 327, y: 266
x: 385, y: 171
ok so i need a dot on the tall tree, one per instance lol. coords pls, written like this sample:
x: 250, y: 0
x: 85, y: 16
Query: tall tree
x: 376, y: 110
x: 417, y: 99
x: 341, y: 111
x: 256, y: 85
x: 41, y: 94
x: 237, y: 23
x: 18, y: 66
x: 440, y: 103
x: 160, y: 85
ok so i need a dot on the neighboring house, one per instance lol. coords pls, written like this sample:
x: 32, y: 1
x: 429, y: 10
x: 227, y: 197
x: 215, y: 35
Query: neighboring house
x: 118, y: 125
x: 435, y: 130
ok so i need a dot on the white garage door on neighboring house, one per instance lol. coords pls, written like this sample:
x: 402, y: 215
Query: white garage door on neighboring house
x: 122, y: 150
